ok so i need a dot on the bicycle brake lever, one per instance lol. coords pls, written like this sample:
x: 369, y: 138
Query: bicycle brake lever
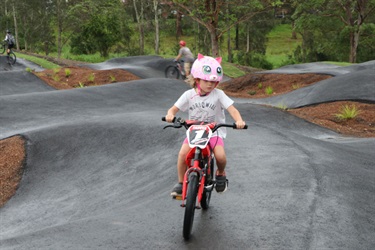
x: 168, y: 126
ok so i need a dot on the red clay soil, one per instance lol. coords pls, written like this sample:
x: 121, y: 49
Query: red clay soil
x: 12, y: 150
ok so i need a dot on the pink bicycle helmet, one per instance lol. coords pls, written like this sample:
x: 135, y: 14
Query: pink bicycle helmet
x: 207, y: 68
x: 182, y: 43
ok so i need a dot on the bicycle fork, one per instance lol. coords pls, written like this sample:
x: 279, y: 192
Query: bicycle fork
x: 197, y: 170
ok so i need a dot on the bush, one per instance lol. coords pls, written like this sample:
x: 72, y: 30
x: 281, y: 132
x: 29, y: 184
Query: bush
x: 255, y: 60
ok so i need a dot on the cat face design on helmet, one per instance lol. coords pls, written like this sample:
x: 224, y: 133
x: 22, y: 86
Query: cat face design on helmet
x: 207, y: 68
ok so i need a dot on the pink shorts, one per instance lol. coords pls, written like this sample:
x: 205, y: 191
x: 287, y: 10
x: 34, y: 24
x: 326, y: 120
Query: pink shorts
x: 214, y: 141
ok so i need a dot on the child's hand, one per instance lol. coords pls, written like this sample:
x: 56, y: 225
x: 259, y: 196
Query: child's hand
x: 240, y: 124
x: 169, y: 118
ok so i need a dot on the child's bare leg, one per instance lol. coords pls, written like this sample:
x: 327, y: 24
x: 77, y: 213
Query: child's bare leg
x: 181, y: 165
x: 221, y: 159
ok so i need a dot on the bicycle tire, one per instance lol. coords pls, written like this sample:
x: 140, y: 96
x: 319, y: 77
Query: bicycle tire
x: 2, y: 48
x: 190, y: 206
x: 172, y: 72
x: 12, y: 58
x: 206, y: 196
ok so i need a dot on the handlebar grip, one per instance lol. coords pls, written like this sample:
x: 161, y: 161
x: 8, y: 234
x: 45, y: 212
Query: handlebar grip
x: 164, y: 120
x: 235, y: 126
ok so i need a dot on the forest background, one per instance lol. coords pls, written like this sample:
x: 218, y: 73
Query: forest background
x: 238, y: 30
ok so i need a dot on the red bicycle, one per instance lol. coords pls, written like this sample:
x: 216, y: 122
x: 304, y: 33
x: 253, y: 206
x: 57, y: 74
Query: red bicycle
x: 198, y: 180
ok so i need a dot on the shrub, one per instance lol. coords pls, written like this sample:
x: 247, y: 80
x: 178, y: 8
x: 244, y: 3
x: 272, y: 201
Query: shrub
x: 67, y: 72
x: 269, y: 90
x: 255, y: 60
x: 91, y: 77
x: 347, y: 112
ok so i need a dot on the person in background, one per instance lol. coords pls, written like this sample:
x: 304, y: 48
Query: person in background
x: 9, y: 38
x: 187, y: 56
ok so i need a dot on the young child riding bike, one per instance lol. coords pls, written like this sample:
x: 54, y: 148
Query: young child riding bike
x: 205, y: 103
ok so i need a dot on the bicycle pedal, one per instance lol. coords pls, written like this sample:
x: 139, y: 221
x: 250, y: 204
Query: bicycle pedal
x: 177, y: 197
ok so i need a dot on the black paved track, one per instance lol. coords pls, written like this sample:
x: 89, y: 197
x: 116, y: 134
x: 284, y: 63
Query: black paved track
x: 100, y: 168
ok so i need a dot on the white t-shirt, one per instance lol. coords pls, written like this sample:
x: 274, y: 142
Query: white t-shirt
x: 186, y: 54
x: 209, y: 108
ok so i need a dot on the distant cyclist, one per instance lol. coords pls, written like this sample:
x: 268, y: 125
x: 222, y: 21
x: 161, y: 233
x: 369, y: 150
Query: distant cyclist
x: 9, y: 38
x: 187, y: 56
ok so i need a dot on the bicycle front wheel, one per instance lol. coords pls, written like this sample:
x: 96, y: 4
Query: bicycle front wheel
x: 206, y: 196
x: 191, y: 200
x: 12, y: 58
x: 172, y: 72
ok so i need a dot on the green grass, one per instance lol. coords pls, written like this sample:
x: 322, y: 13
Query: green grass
x: 338, y: 63
x: 231, y: 70
x: 41, y: 62
x: 280, y: 44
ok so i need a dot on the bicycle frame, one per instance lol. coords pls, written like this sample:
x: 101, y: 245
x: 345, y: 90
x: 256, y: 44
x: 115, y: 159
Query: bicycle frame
x: 198, y: 138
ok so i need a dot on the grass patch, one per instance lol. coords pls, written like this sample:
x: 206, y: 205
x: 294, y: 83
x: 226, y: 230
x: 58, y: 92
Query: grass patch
x: 269, y: 90
x: 338, y: 63
x: 113, y: 78
x: 91, y: 77
x: 347, y: 112
x: 231, y: 70
x: 282, y: 106
x: 67, y: 72
x: 280, y: 44
x: 39, y: 61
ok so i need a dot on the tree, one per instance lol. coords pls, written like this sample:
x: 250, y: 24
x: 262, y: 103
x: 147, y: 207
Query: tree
x: 99, y: 29
x: 211, y: 15
x: 313, y: 16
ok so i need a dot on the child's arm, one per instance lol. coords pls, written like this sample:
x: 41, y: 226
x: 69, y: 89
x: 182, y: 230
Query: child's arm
x: 236, y: 116
x: 171, y: 113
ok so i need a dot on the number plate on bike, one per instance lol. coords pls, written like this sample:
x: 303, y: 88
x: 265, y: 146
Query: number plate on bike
x: 198, y: 136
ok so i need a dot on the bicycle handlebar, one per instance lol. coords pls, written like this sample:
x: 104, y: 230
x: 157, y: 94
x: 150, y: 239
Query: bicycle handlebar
x: 179, y: 122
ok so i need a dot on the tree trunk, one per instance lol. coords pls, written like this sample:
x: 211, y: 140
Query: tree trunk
x: 139, y: 17
x: 229, y: 48
x: 15, y: 28
x: 228, y: 40
x: 247, y: 38
x: 215, y: 43
x: 294, y: 33
x: 237, y: 37
x: 156, y: 27
x: 354, y: 38
x: 178, y: 25
x: 59, y: 30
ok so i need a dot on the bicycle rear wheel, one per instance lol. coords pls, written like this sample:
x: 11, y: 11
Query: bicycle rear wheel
x: 191, y: 200
x: 172, y: 72
x: 206, y: 196
x: 12, y: 58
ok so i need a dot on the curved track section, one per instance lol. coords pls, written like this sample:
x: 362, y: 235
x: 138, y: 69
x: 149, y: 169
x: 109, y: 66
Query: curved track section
x: 100, y: 168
